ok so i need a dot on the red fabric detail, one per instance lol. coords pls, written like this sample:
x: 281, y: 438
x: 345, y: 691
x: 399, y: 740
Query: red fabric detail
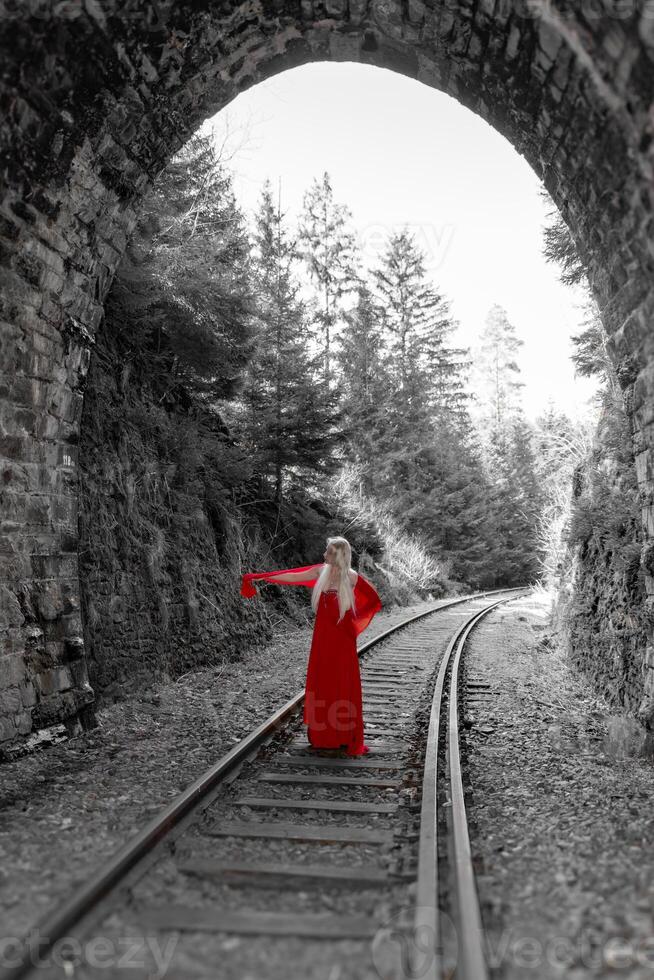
x: 367, y: 602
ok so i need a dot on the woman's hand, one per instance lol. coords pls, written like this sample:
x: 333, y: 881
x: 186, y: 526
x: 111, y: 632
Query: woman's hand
x: 247, y: 588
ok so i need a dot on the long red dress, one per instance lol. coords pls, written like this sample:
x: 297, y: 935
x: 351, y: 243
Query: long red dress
x: 333, y: 709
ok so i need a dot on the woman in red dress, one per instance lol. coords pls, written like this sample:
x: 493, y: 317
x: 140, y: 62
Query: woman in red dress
x: 344, y: 603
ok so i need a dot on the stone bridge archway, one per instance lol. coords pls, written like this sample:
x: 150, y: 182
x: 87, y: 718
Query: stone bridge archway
x: 97, y: 95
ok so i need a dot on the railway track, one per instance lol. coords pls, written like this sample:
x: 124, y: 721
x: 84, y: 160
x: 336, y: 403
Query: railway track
x: 361, y: 866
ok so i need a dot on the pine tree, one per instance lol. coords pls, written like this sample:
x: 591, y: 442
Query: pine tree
x: 445, y: 367
x: 426, y: 376
x: 328, y: 247
x: 290, y: 421
x: 417, y: 325
x: 527, y: 499
x: 497, y: 378
x: 185, y: 283
x: 426, y: 462
x: 459, y: 519
x: 408, y: 306
x: 507, y: 440
x: 364, y: 385
x: 559, y: 246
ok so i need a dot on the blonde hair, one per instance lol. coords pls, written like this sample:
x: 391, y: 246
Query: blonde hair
x: 343, y: 560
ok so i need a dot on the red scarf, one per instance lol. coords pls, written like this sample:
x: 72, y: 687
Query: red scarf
x: 367, y: 601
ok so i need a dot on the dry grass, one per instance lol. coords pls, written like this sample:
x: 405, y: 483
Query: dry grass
x: 404, y: 560
x: 554, y: 521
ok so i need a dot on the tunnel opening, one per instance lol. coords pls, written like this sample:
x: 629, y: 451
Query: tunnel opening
x: 568, y: 88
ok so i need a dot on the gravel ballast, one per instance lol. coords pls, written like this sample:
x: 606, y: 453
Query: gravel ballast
x: 67, y: 807
x: 562, y: 808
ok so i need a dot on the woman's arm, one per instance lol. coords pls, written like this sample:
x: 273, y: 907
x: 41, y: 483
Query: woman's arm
x: 290, y: 578
x: 301, y: 575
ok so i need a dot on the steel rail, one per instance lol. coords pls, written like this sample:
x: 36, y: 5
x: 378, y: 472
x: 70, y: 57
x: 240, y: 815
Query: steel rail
x: 427, y: 933
x: 55, y: 925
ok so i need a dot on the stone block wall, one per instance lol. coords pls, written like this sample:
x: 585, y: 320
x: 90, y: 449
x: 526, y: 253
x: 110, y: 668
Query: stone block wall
x: 96, y: 97
x: 602, y: 617
x: 161, y: 544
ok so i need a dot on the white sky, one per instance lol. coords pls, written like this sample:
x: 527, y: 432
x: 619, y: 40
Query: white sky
x: 399, y: 152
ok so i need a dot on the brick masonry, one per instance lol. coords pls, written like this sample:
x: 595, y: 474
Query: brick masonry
x: 96, y: 95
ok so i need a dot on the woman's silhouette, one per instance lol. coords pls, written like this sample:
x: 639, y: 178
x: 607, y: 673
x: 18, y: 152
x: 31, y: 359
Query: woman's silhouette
x: 344, y: 603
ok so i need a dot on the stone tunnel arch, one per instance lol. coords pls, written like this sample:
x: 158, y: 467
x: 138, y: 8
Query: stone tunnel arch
x: 97, y: 95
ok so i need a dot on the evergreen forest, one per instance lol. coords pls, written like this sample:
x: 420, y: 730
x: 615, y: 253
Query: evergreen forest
x: 301, y: 392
